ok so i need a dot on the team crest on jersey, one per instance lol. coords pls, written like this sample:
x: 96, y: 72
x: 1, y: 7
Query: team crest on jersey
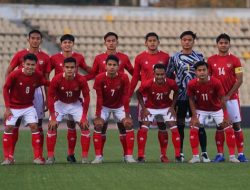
x: 40, y: 62
x: 104, y: 62
x: 153, y: 92
x: 229, y: 65
x: 105, y: 86
x: 146, y: 62
x: 61, y: 64
x: 214, y: 65
x: 20, y: 83
x: 197, y: 91
x: 76, y: 89
x: 161, y: 62
x: 211, y: 91
x: 62, y: 88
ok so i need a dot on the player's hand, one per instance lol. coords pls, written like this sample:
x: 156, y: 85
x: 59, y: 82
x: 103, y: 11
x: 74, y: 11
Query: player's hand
x: 194, y: 121
x: 172, y: 112
x: 225, y: 98
x: 52, y: 125
x: 144, y: 114
x: 84, y: 124
x: 7, y: 114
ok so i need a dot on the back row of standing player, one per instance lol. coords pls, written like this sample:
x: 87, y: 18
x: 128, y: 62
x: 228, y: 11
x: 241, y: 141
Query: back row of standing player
x: 224, y: 66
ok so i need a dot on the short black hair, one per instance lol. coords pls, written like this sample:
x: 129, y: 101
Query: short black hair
x: 35, y: 32
x: 110, y: 34
x: 223, y: 36
x: 112, y: 57
x: 200, y: 63
x: 151, y: 34
x: 67, y: 37
x: 69, y: 60
x: 30, y: 56
x: 159, y: 66
x: 188, y: 32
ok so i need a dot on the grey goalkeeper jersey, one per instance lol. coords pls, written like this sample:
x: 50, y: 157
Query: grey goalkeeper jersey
x: 182, y: 66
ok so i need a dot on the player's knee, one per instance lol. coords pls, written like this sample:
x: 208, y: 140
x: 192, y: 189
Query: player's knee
x: 127, y: 123
x: 8, y: 129
x: 236, y: 126
x: 121, y: 127
x: 33, y: 127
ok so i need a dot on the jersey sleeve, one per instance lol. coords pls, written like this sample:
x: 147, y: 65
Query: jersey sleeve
x: 85, y: 94
x: 174, y: 85
x: 6, y: 89
x: 210, y: 70
x: 52, y: 98
x: 126, y: 93
x: 170, y: 67
x: 15, y: 62
x: 136, y: 76
x: 94, y: 70
x: 82, y: 63
x: 128, y: 66
x: 50, y: 65
x: 237, y: 66
x: 99, y: 96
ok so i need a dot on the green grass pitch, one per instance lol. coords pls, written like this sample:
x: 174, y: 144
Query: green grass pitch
x: 114, y: 174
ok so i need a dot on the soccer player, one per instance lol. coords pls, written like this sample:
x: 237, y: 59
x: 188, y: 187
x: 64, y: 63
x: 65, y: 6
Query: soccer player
x: 206, y: 99
x: 99, y: 66
x: 112, y: 88
x: 143, y: 69
x: 18, y: 92
x: 57, y: 63
x: 158, y: 104
x: 34, y: 40
x: 64, y: 101
x: 227, y: 68
x: 181, y: 65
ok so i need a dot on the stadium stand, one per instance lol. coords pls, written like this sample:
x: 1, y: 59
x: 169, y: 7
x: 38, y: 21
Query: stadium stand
x: 89, y: 31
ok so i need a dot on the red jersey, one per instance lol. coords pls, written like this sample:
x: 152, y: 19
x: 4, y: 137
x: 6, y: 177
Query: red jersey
x: 56, y: 62
x: 157, y: 96
x: 143, y: 68
x: 42, y: 63
x: 207, y: 95
x: 112, y: 92
x: 225, y: 69
x: 99, y: 64
x: 19, y: 88
x: 68, y: 91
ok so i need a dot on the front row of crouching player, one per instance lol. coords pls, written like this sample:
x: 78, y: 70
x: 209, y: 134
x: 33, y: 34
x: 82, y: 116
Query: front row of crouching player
x: 112, y: 89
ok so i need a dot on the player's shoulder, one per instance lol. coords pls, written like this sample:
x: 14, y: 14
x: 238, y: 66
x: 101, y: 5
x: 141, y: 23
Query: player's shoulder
x: 215, y: 80
x: 122, y: 75
x: 21, y: 53
x: 58, y: 77
x: 43, y: 53
x: 100, y: 76
x: 56, y: 55
x: 16, y: 73
x: 192, y: 82
x: 163, y: 53
x: 141, y: 54
x: 77, y: 55
x: 233, y: 57
x: 121, y: 55
x: 80, y: 77
x: 170, y: 81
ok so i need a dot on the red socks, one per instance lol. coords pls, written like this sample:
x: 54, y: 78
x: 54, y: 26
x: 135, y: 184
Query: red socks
x: 239, y: 139
x: 141, y: 140
x: 71, y: 136
x: 103, y: 143
x: 15, y: 135
x: 130, y: 138
x: 176, y: 140
x: 7, y: 145
x: 163, y: 140
x: 219, y: 139
x: 85, y: 142
x: 230, y: 139
x: 97, y: 138
x: 194, y: 139
x: 40, y: 129
x: 36, y: 144
x: 51, y: 142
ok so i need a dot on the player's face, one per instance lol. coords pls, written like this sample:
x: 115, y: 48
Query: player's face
x: 202, y: 72
x: 223, y: 45
x: 69, y: 69
x: 29, y: 67
x: 35, y: 40
x: 67, y: 45
x: 112, y: 67
x: 111, y: 43
x: 152, y: 43
x: 187, y: 42
x: 160, y: 75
